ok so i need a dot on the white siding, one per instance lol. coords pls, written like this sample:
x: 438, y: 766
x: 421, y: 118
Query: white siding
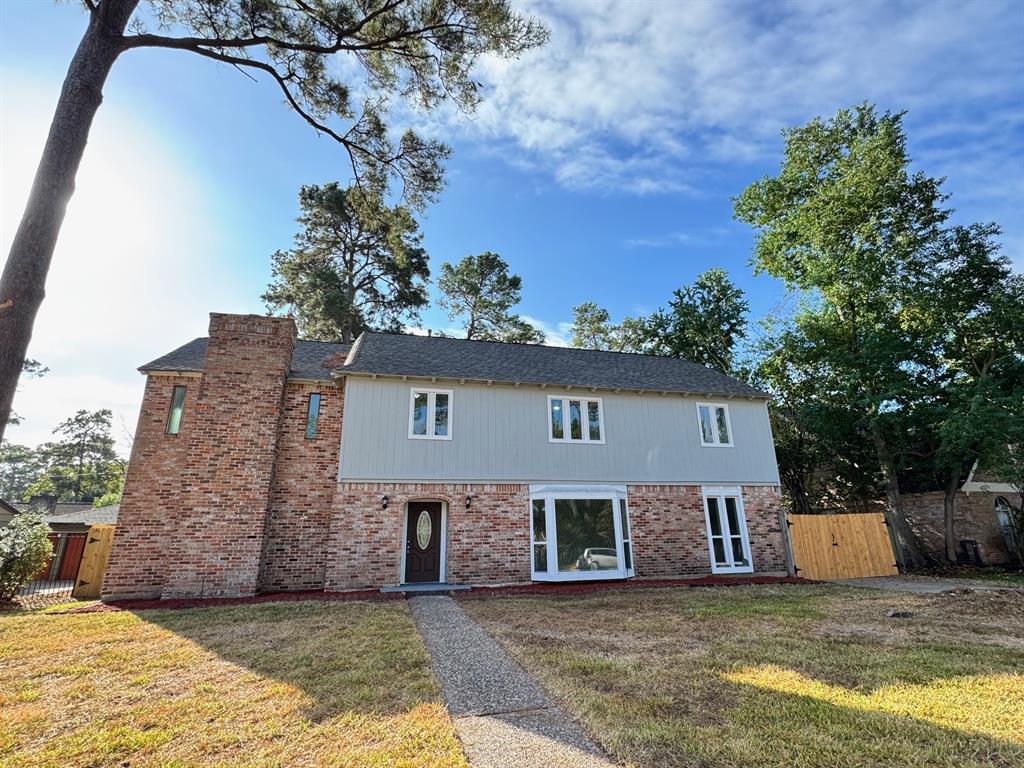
x: 500, y: 433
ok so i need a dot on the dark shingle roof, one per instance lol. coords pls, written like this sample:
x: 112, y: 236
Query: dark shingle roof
x: 409, y: 355
x: 308, y: 361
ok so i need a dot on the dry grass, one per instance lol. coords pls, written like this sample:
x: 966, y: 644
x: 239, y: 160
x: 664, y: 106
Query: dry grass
x: 288, y: 684
x: 800, y: 676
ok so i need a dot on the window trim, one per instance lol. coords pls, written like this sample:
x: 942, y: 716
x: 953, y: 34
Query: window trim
x: 566, y: 430
x: 170, y: 409
x: 549, y: 493
x: 431, y: 405
x: 311, y: 415
x: 714, y: 426
x: 720, y: 492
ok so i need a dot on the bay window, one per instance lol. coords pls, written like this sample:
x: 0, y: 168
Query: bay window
x: 580, y: 532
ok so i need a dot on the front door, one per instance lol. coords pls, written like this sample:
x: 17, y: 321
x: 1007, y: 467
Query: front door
x: 423, y: 542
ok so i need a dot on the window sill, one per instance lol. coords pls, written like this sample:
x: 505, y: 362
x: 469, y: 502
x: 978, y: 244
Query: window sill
x: 430, y: 437
x: 723, y: 571
x: 717, y: 445
x: 579, y: 576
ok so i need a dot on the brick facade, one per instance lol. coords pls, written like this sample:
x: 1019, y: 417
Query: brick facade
x: 973, y: 518
x: 240, y: 500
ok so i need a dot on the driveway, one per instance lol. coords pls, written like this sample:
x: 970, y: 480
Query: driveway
x: 920, y: 584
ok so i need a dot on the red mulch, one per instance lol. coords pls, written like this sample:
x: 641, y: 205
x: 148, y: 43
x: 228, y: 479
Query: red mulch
x: 474, y: 593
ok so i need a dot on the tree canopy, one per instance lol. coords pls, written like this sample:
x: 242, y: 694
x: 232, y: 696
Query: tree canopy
x: 356, y: 263
x: 480, y: 293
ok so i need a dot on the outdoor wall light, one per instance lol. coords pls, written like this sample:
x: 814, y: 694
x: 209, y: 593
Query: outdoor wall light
x: 384, y: 501
x: 469, y: 501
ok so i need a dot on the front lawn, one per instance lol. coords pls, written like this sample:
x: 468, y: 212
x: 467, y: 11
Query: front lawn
x: 287, y: 684
x: 780, y: 676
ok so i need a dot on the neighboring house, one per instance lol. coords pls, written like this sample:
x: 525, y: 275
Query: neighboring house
x: 981, y: 519
x: 7, y: 513
x: 262, y: 463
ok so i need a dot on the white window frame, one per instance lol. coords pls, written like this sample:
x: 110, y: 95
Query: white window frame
x: 720, y: 492
x: 566, y: 430
x: 714, y: 426
x: 549, y: 493
x: 431, y: 404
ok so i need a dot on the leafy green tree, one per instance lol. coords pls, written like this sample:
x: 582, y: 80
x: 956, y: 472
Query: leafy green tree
x: 337, y: 63
x: 356, y: 263
x: 83, y: 465
x: 31, y: 369
x: 20, y: 466
x: 846, y: 221
x: 25, y: 549
x: 592, y: 328
x: 480, y: 292
x: 704, y: 322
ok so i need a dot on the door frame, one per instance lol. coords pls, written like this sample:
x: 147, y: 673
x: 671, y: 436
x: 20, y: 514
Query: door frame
x: 443, y: 570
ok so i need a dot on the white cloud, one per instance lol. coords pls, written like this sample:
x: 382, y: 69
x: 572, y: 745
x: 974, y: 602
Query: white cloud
x: 557, y: 335
x: 136, y: 269
x: 650, y: 97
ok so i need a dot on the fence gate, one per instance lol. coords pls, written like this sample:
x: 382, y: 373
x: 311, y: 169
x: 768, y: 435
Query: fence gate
x: 94, y: 561
x: 841, y: 546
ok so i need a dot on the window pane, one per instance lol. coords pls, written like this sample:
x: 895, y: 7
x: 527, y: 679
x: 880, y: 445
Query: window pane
x: 737, y: 551
x: 716, y: 521
x: 585, y: 531
x: 539, y: 523
x: 707, y: 433
x: 723, y: 426
x: 177, y: 405
x: 733, y: 515
x: 540, y: 557
x: 627, y: 554
x: 557, y: 428
x: 594, y: 419
x: 312, y: 414
x: 419, y: 414
x: 719, y: 552
x: 440, y: 414
x: 575, y: 420
x: 624, y: 519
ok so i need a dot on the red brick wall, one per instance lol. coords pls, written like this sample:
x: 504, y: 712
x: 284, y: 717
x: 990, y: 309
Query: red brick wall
x: 490, y: 542
x: 302, y: 493
x: 153, y: 492
x: 670, y: 534
x: 974, y: 517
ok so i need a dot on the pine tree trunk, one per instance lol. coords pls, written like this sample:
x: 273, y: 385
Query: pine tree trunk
x: 23, y: 284
x: 908, y: 552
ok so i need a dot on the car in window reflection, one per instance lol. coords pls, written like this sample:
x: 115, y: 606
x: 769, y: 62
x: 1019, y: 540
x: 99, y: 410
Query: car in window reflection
x: 597, y: 558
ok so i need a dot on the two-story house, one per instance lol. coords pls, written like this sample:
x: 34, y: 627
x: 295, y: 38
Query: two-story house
x: 266, y: 463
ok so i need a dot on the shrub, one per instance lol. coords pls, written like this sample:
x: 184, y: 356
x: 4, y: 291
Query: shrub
x: 24, y: 551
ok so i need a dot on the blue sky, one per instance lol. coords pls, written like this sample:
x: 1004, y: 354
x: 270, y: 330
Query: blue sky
x: 600, y: 167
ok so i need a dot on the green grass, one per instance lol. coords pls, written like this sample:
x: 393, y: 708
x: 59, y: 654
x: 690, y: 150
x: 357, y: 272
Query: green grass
x: 287, y: 684
x: 780, y: 676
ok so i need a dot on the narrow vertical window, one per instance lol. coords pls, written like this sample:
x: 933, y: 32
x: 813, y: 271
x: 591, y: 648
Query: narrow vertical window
x: 540, y: 539
x: 440, y: 414
x: 627, y: 539
x: 575, y: 420
x: 312, y: 414
x: 557, y: 428
x: 177, y: 406
x: 594, y: 419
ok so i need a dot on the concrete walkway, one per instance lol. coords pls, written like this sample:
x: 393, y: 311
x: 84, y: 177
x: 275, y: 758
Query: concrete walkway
x: 502, y: 717
x: 921, y: 584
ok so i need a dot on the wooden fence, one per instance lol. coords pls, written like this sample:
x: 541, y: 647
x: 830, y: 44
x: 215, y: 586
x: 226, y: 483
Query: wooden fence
x: 94, y: 561
x: 841, y: 546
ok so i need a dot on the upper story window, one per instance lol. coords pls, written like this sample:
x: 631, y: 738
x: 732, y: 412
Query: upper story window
x: 575, y: 420
x: 713, y: 420
x: 177, y: 406
x: 312, y: 414
x: 430, y: 414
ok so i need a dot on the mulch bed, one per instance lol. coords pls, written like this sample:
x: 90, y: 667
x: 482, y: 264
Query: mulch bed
x: 474, y: 593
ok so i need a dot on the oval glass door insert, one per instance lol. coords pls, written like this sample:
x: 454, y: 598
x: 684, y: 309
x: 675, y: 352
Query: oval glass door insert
x: 423, y: 529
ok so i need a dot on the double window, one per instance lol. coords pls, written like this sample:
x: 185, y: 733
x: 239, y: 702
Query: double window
x: 575, y: 419
x: 713, y: 421
x: 430, y: 414
x: 727, y: 530
x: 580, y: 533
